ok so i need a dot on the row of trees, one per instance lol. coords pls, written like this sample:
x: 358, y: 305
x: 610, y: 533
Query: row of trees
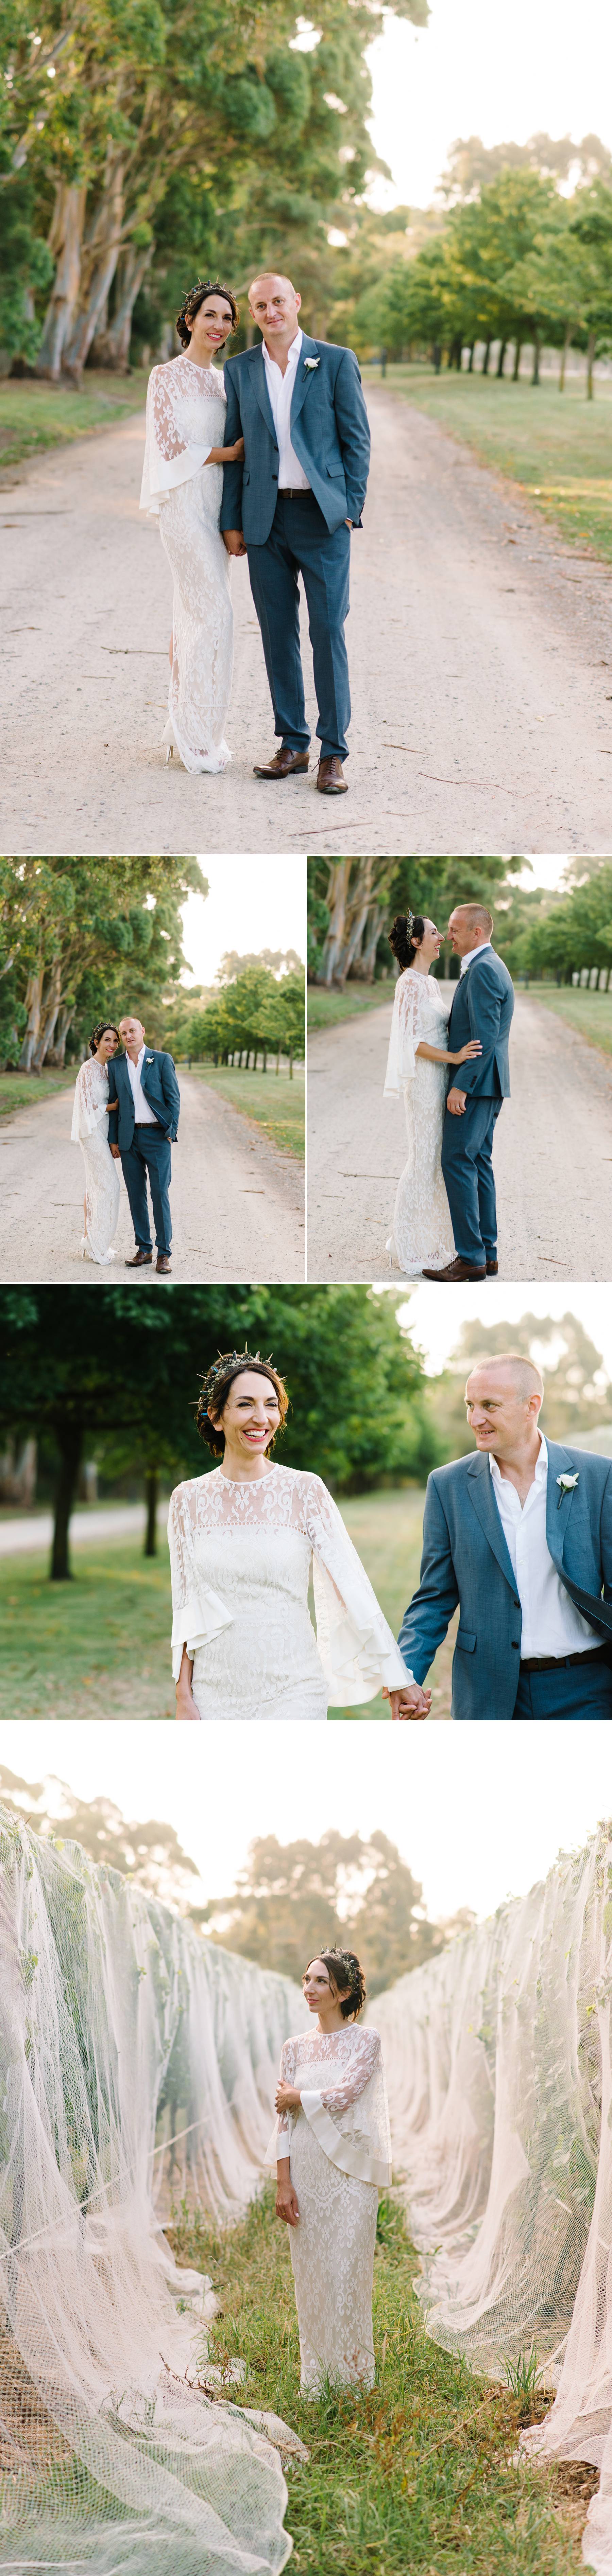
x: 351, y: 904
x: 258, y: 1013
x: 79, y: 938
x: 562, y: 935
x: 139, y: 144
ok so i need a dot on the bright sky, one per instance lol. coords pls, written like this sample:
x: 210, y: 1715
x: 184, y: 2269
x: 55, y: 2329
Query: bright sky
x: 253, y: 903
x: 475, y: 1826
x: 435, y: 1323
x: 542, y: 67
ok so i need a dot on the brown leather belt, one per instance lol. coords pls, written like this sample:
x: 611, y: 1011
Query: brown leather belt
x: 558, y: 1663
x: 295, y: 492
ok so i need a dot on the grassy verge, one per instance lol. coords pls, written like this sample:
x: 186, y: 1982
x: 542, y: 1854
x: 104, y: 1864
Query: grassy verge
x: 420, y: 2475
x: 325, y: 1009
x: 24, y: 1090
x: 387, y: 1531
x: 556, y: 445
x: 34, y: 416
x: 95, y: 1647
x: 277, y: 1104
x: 589, y: 1013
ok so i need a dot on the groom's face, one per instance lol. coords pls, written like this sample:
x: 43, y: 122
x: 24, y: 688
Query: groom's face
x: 498, y: 1416
x: 131, y: 1033
x: 274, y: 305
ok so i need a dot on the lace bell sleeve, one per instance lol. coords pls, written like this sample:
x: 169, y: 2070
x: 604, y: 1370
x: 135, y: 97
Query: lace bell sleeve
x: 357, y: 1649
x: 350, y: 2118
x: 281, y: 2135
x: 404, y: 1038
x: 365, y: 2056
x: 197, y: 1612
x: 89, y: 1110
x: 168, y: 459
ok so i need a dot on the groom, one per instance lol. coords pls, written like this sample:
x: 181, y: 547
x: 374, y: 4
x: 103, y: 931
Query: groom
x: 482, y: 1008
x: 520, y: 1536
x: 299, y: 407
x: 142, y: 1125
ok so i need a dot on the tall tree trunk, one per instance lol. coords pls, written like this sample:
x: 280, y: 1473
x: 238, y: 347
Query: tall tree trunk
x: 48, y: 1015
x: 340, y: 872
x: 535, y: 372
x: 566, y: 345
x: 590, y: 357
x: 517, y: 362
x: 104, y: 248
x: 32, y: 1004
x: 111, y: 347
x: 66, y: 240
x: 56, y: 1054
x: 152, y: 1499
x: 485, y: 362
x: 70, y: 1441
x: 502, y: 352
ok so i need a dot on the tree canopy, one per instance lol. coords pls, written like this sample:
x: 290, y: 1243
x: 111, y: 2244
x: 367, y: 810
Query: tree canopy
x: 293, y: 1899
x: 81, y: 937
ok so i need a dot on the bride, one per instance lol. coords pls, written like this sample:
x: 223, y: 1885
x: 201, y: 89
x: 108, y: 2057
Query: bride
x: 91, y: 1107
x: 418, y: 1056
x: 242, y: 1543
x: 332, y: 2151
x: 181, y: 485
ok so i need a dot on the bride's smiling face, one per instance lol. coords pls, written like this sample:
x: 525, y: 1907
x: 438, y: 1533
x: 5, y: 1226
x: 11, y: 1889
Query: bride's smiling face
x: 107, y: 1046
x: 430, y: 944
x: 210, y: 328
x: 250, y: 1415
x: 322, y: 1998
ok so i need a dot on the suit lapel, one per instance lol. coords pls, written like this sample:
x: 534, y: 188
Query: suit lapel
x: 480, y: 1489
x: 303, y: 378
x: 257, y: 373
x: 593, y: 1608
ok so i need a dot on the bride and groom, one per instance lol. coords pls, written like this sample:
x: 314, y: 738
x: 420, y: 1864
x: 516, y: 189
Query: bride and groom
x: 272, y: 463
x: 138, y: 1094
x: 445, y: 1217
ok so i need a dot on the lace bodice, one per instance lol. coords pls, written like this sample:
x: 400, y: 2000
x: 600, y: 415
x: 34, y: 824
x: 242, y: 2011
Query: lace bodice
x: 186, y: 408
x: 421, y: 1009
x: 90, y: 1100
x: 241, y: 1555
x: 339, y: 2076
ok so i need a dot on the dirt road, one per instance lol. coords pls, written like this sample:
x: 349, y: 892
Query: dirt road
x: 480, y: 652
x: 552, y: 1153
x: 237, y: 1204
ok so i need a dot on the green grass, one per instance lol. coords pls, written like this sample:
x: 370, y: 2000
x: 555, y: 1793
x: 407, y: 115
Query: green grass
x: 276, y: 1103
x: 99, y: 1645
x: 558, y: 446
x: 34, y: 416
x: 420, y: 2477
x: 589, y: 1013
x: 324, y: 1008
x: 22, y: 1090
x: 96, y: 1647
x: 387, y: 1531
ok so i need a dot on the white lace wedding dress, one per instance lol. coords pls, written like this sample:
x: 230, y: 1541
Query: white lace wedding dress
x: 90, y: 1131
x: 339, y: 2153
x: 241, y: 1556
x: 422, y: 1235
x: 186, y: 408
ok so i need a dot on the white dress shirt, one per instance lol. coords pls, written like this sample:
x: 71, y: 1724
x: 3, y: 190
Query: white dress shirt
x: 291, y: 476
x: 483, y: 944
x: 143, y: 1113
x: 551, y: 1625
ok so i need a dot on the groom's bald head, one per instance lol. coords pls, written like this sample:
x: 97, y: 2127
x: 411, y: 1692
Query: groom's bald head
x: 274, y: 305
x: 503, y: 1396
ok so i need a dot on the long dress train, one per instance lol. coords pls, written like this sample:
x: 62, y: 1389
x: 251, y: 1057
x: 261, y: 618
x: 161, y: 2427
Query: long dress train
x: 90, y: 1131
x: 422, y: 1235
x: 186, y: 408
x: 241, y: 1556
x: 339, y: 2155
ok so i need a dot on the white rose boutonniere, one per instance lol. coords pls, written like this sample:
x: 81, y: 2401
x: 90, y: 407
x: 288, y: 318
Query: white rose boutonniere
x: 567, y: 1484
x: 310, y: 364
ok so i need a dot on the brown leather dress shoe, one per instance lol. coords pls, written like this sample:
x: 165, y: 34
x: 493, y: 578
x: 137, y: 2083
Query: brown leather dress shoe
x: 140, y: 1260
x: 492, y: 1269
x: 458, y: 1269
x: 330, y: 777
x: 163, y: 1261
x: 284, y: 764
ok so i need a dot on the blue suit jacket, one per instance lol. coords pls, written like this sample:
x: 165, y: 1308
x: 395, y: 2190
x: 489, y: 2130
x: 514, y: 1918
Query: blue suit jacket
x: 329, y: 431
x: 160, y: 1086
x: 482, y: 1008
x: 465, y: 1560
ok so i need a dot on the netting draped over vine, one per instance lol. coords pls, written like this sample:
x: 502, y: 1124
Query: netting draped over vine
x: 499, y: 2077
x: 136, y: 2061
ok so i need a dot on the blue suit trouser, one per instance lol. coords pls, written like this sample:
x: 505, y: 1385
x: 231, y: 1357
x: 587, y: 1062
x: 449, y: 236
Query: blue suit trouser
x: 468, y: 1173
x: 573, y: 1690
x: 149, y: 1152
x: 300, y: 541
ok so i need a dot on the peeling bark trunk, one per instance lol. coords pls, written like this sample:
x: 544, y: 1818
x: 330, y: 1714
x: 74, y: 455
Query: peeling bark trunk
x: 111, y: 347
x: 48, y: 1015
x: 66, y: 239
x: 32, y: 1004
x: 104, y: 250
x: 56, y: 1054
x: 331, y: 968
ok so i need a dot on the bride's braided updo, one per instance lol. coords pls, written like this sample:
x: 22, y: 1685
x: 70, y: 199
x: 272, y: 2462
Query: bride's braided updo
x: 405, y: 936
x: 197, y: 296
x: 215, y: 1389
x: 343, y: 1969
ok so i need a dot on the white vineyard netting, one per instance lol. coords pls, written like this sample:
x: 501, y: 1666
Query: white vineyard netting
x: 498, y: 2068
x: 137, y: 2063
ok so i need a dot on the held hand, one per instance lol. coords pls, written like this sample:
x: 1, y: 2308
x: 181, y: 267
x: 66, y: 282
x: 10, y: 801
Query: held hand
x: 114, y: 1149
x: 234, y: 541
x: 235, y: 455
x: 474, y: 1047
x: 456, y: 1101
x: 286, y: 2204
x: 409, y: 1700
x: 286, y: 2098
x: 348, y: 523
